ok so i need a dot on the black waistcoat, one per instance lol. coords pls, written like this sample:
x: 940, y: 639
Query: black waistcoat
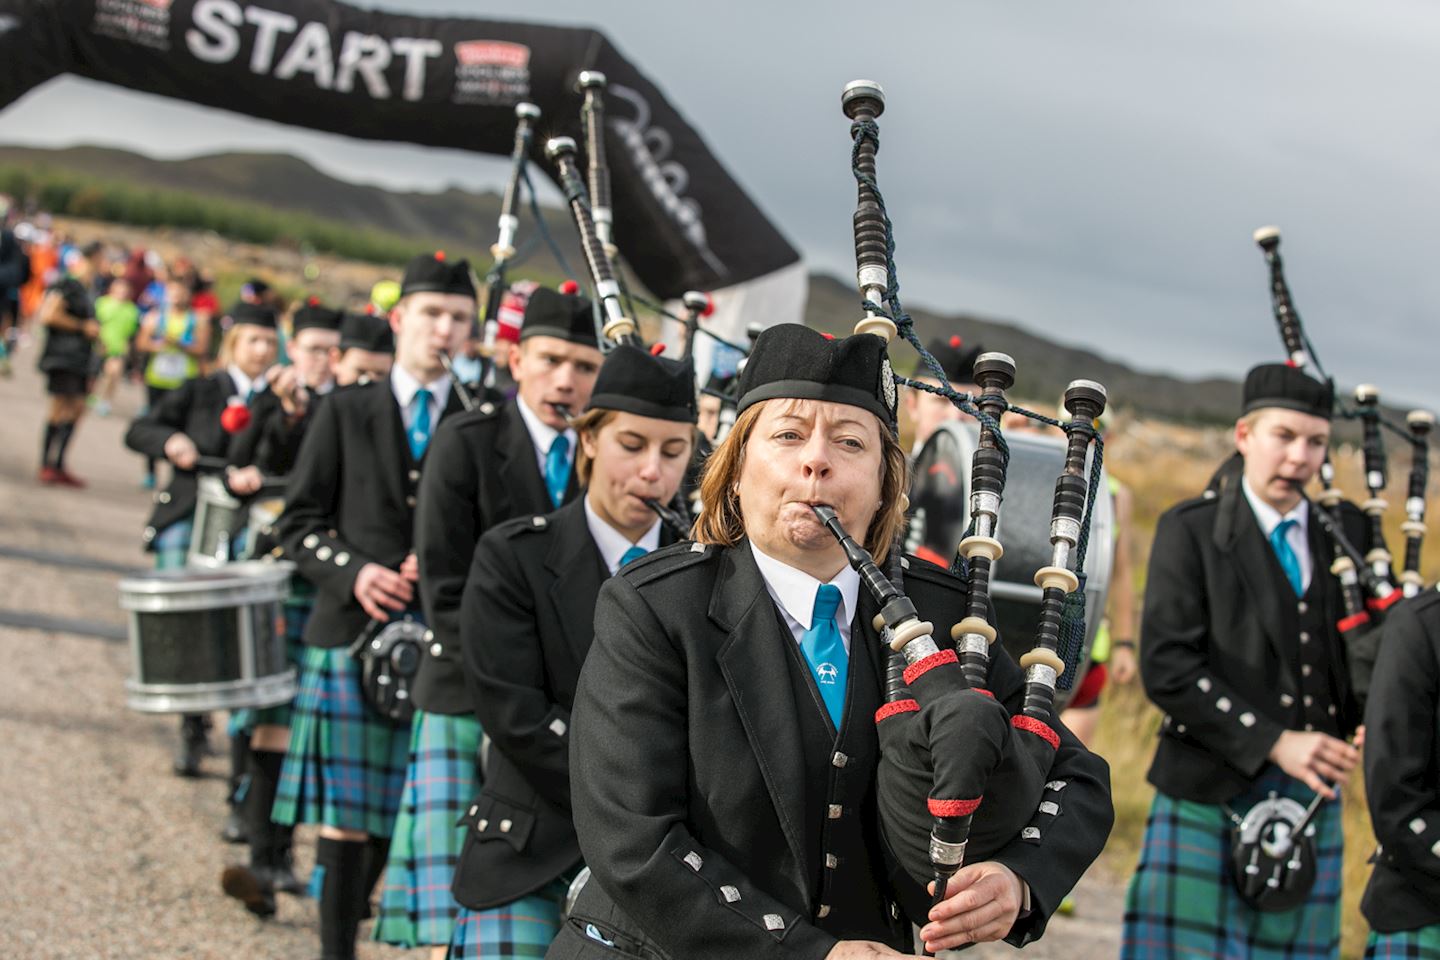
x: 846, y: 895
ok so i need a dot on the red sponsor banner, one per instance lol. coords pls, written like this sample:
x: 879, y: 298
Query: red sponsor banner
x: 491, y: 53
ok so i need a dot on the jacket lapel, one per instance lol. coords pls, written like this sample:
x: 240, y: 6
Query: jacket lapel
x: 1237, y: 534
x: 392, y: 447
x: 519, y: 468
x: 752, y: 659
x: 579, y: 571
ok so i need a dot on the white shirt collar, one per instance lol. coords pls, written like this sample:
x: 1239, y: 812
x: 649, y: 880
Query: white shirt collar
x: 243, y: 384
x: 405, y: 385
x: 1269, y: 518
x: 794, y: 593
x: 542, y: 434
x: 611, y: 543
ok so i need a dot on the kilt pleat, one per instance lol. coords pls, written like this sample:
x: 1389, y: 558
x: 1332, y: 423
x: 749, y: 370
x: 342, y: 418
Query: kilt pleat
x: 1181, y: 901
x: 346, y: 763
x: 521, y: 930
x: 416, y: 905
x: 1421, y: 944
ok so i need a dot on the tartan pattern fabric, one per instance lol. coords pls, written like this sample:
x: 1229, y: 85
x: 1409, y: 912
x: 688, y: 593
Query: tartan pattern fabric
x: 416, y: 906
x: 346, y: 763
x: 1182, y: 903
x: 295, y: 616
x: 1421, y: 944
x: 521, y: 930
x: 172, y: 545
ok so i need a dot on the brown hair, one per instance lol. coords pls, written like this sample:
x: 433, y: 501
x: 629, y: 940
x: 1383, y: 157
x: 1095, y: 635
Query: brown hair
x: 722, y: 524
x: 588, y: 424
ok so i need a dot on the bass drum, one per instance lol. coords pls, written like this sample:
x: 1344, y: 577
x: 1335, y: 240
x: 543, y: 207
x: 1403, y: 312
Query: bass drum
x: 940, y: 512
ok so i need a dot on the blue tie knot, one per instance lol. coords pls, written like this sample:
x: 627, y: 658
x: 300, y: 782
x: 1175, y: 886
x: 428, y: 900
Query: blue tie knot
x: 634, y: 553
x: 827, y: 601
x: 1284, y: 528
x: 560, y: 448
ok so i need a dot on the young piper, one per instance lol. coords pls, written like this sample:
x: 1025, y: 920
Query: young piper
x: 367, y: 349
x: 348, y: 524
x: 183, y: 425
x: 526, y: 625
x: 1240, y: 650
x: 489, y: 465
x: 1402, y: 784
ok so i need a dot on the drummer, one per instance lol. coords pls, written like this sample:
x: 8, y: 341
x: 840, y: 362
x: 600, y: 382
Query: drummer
x: 525, y: 626
x: 927, y: 411
x: 491, y: 464
x: 266, y: 449
x: 724, y: 802
x: 348, y: 524
x: 185, y: 425
x: 937, y: 491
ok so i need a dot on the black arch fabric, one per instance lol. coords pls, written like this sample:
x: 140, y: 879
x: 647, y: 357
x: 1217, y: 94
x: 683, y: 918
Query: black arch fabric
x: 681, y: 221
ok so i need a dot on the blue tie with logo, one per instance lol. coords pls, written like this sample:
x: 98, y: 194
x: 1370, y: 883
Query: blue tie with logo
x: 1286, y: 555
x: 420, y: 424
x: 557, y: 469
x: 825, y: 651
x: 634, y: 553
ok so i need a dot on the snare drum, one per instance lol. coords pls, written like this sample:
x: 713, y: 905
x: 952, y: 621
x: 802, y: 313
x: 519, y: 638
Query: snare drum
x: 204, y: 640
x: 219, y: 518
x: 940, y: 512
x: 260, y: 527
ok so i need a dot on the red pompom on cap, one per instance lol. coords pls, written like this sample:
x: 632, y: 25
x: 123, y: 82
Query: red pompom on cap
x: 828, y: 336
x: 709, y: 306
x: 314, y: 301
x: 440, y: 256
x: 569, y: 288
x: 955, y: 341
x: 235, y: 417
x: 657, y: 349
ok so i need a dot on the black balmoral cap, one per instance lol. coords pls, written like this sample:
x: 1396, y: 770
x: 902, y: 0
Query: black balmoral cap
x: 957, y: 360
x: 1284, y: 386
x: 432, y: 273
x: 255, y: 314
x: 567, y: 316
x: 636, y: 382
x: 314, y: 315
x: 793, y: 361
x: 365, y: 331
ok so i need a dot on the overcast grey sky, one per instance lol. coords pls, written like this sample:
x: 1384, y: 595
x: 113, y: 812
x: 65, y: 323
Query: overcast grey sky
x: 1089, y: 170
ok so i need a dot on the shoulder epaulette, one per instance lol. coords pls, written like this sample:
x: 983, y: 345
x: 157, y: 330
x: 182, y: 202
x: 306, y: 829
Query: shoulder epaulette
x: 667, y: 560
x: 1194, y: 503
x: 520, y: 525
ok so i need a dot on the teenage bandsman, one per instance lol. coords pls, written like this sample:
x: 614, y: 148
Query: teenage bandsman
x: 723, y: 786
x: 491, y: 464
x: 526, y: 625
x: 184, y: 425
x: 1240, y: 650
x: 367, y: 349
x: 348, y: 524
x: 1402, y: 784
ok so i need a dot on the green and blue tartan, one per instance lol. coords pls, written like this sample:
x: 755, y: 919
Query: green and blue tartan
x: 1421, y: 944
x: 416, y: 905
x: 346, y: 763
x: 521, y: 930
x: 296, y: 611
x: 172, y: 545
x: 1182, y: 902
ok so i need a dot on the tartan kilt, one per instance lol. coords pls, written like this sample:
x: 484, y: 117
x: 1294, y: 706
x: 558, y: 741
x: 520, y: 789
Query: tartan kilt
x: 296, y: 615
x: 1421, y: 944
x: 172, y: 546
x: 416, y: 905
x: 1182, y: 902
x: 522, y: 930
x: 346, y: 763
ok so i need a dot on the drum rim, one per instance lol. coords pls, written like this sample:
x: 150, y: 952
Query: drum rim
x: 271, y: 690
x: 242, y: 574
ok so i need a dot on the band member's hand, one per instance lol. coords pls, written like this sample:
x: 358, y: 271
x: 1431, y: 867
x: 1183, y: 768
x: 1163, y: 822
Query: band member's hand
x: 981, y: 904
x: 1359, y: 740
x: 1123, y: 666
x: 244, y: 480
x: 861, y: 950
x: 285, y: 382
x: 410, y: 568
x: 382, y: 591
x: 180, y: 450
x: 1315, y: 758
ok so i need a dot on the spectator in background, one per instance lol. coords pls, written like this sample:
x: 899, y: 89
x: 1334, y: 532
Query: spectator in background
x: 14, y: 272
x: 68, y: 315
x: 119, y: 322
x: 176, y: 339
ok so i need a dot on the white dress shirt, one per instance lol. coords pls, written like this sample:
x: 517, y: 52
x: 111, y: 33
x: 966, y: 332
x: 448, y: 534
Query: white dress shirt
x: 794, y: 593
x: 542, y: 435
x: 243, y: 384
x: 1297, y: 536
x: 612, y: 544
x: 404, y: 385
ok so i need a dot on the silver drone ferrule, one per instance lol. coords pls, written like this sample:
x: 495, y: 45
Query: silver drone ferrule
x: 919, y: 648
x: 946, y: 853
x: 1041, y: 673
x: 1415, y: 508
x: 509, y: 223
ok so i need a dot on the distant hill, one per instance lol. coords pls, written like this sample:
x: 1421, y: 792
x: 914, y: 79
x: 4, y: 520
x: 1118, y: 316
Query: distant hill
x: 468, y: 220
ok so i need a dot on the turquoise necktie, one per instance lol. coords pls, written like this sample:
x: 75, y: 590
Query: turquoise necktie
x: 420, y: 424
x: 1286, y: 555
x: 825, y: 652
x: 557, y: 469
x: 634, y: 553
